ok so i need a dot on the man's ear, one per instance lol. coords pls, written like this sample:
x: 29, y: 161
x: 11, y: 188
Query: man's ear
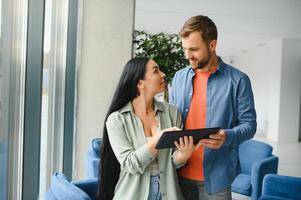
x: 212, y: 45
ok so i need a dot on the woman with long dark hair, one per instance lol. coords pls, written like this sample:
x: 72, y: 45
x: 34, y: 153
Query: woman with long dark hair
x: 131, y: 168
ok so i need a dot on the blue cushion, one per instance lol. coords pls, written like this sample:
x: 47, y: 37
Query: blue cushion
x: 50, y: 195
x: 242, y: 184
x: 62, y: 189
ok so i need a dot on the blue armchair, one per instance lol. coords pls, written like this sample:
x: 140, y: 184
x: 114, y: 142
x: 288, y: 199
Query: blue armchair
x: 276, y: 187
x: 62, y: 189
x: 256, y: 160
x: 93, y: 158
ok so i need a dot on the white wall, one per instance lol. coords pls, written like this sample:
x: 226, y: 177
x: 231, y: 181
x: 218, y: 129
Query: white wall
x: 242, y: 18
x: 268, y: 17
x: 290, y: 90
x: 275, y: 71
x: 105, y: 47
x: 263, y: 65
x: 251, y: 35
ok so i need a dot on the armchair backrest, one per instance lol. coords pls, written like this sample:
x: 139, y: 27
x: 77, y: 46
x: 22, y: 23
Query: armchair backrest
x: 282, y: 187
x: 252, y: 151
x: 93, y: 158
x: 96, y: 144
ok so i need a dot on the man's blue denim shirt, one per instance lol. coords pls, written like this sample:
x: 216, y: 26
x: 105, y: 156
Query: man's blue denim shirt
x: 229, y: 105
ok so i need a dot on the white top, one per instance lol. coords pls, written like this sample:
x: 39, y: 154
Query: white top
x: 153, y: 166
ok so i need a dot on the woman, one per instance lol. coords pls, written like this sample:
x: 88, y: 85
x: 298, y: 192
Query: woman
x: 131, y: 168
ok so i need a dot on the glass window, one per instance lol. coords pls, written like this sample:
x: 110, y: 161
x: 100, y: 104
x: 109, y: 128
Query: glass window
x: 3, y: 136
x: 45, y: 98
x: 53, y: 91
x: 12, y: 79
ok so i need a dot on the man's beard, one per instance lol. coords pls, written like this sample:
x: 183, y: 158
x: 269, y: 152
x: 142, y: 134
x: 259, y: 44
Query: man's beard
x: 203, y: 63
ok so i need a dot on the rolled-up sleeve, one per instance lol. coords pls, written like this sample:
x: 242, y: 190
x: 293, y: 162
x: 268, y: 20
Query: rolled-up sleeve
x: 132, y: 160
x: 246, y: 115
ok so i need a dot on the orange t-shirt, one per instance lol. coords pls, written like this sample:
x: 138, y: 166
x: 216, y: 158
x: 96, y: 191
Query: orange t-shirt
x: 196, y: 118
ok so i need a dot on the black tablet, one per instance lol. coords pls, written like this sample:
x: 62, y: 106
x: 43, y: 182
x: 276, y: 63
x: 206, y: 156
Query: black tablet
x: 168, y: 138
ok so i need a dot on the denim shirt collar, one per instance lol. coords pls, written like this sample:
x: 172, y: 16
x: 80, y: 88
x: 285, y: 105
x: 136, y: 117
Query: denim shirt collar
x: 220, y: 67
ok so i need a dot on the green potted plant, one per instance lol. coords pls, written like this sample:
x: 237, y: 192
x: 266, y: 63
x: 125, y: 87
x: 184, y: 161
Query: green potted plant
x: 164, y: 48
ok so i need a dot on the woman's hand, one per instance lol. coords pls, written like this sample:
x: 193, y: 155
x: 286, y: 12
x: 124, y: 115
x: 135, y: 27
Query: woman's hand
x: 158, y: 134
x: 155, y: 137
x: 185, y: 147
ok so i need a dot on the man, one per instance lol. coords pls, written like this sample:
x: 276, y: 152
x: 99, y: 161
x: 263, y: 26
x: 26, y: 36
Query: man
x: 211, y: 93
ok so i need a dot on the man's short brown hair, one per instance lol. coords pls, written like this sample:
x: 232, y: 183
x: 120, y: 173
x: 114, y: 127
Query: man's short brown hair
x: 200, y: 23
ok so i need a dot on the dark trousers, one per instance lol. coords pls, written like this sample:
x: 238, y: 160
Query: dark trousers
x: 195, y: 190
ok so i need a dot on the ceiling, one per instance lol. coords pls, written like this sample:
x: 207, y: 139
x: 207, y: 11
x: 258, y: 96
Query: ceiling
x: 242, y: 24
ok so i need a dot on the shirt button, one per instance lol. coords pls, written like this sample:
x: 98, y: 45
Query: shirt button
x: 163, y: 194
x: 186, y: 110
x: 161, y: 172
x: 190, y: 94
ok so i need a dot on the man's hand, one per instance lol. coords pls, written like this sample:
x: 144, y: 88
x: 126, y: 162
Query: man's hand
x: 215, y: 141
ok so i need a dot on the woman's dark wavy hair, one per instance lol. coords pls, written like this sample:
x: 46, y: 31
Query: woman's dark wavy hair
x: 126, y: 91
